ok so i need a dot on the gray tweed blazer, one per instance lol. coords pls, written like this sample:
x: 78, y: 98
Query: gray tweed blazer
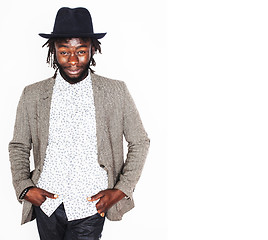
x: 116, y: 116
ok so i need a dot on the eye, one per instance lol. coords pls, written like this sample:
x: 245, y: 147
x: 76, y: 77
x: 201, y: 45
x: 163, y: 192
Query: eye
x: 63, y: 53
x: 81, y: 52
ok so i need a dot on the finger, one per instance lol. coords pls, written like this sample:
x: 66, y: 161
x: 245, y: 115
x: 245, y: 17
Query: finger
x: 100, y: 206
x: 102, y: 211
x: 50, y: 195
x: 42, y: 200
x: 95, y: 197
x: 38, y: 202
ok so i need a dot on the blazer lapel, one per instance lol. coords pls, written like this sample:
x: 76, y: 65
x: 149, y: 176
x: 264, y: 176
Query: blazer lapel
x: 98, y: 94
x: 43, y: 112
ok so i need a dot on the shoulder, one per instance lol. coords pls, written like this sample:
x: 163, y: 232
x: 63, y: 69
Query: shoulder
x: 41, y: 85
x: 108, y: 83
x: 35, y: 90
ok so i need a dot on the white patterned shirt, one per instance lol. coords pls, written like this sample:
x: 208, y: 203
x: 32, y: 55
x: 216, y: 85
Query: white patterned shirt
x: 71, y: 167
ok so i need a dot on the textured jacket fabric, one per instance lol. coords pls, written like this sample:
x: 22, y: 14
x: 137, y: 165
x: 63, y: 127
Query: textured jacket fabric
x: 116, y: 117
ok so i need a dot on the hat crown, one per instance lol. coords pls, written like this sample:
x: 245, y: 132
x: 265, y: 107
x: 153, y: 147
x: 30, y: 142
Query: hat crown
x: 73, y: 20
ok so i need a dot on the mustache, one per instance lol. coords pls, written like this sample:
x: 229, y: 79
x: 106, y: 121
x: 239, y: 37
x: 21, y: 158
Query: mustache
x: 60, y: 67
x: 73, y: 80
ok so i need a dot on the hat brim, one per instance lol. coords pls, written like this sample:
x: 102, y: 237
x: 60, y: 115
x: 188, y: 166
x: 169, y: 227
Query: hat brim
x: 67, y: 35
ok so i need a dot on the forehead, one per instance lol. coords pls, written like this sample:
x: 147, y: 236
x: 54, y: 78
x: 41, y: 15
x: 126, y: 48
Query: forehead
x: 73, y: 41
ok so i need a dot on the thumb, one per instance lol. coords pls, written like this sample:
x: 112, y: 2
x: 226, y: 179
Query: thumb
x: 49, y: 195
x: 95, y: 197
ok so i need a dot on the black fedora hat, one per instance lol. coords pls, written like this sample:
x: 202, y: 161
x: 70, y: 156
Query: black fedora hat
x: 73, y: 22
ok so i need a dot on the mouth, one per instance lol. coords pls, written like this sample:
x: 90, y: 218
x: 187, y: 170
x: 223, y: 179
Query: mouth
x: 73, y: 71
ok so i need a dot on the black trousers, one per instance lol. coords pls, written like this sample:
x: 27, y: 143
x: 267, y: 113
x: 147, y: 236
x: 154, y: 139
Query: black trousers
x: 57, y: 227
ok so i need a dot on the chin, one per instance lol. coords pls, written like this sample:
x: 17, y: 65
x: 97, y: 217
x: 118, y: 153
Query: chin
x: 74, y: 78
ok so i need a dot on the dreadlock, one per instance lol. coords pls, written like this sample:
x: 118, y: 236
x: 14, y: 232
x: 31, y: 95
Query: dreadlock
x: 51, y: 55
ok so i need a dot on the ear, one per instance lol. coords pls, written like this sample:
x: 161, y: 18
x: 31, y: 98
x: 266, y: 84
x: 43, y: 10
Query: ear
x: 93, y: 50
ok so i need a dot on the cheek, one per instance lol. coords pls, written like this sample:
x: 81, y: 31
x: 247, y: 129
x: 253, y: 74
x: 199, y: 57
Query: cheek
x: 61, y: 59
x: 84, y: 59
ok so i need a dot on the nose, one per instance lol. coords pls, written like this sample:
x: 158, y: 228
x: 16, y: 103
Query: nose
x: 73, y: 59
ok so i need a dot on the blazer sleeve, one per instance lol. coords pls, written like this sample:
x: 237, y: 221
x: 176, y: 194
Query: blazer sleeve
x: 138, y: 145
x: 19, y: 149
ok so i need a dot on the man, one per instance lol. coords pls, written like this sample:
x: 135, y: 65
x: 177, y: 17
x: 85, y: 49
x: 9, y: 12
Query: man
x: 75, y: 123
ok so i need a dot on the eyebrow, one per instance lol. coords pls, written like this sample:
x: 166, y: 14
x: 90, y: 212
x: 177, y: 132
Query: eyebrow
x: 81, y: 46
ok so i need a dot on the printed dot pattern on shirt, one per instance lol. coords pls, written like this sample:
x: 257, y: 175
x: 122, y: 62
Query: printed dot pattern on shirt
x: 71, y: 167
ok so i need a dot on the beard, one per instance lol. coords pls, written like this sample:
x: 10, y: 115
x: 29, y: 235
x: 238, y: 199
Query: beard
x: 73, y: 80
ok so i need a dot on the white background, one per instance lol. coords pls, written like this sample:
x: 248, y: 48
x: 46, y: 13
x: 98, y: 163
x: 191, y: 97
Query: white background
x: 201, y: 93
x: 131, y: 50
x: 219, y: 138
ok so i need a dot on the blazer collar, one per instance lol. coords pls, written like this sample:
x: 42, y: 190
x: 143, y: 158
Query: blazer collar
x: 48, y: 88
x: 96, y: 83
